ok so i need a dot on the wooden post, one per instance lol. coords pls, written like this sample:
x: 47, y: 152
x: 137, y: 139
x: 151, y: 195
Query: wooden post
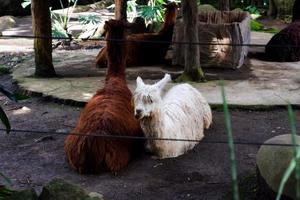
x: 41, y: 25
x: 192, y: 68
x: 121, y: 10
x: 224, y: 5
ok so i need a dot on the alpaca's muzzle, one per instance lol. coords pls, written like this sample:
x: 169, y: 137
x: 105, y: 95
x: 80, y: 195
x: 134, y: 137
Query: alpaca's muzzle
x: 138, y: 114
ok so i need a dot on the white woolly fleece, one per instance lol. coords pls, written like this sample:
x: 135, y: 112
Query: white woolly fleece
x: 182, y: 113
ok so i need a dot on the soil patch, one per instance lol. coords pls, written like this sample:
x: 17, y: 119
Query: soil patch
x: 203, y: 173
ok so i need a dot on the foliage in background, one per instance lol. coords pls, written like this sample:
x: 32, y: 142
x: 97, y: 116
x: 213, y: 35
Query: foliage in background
x: 153, y: 12
x: 257, y: 26
x: 26, y: 3
x: 4, y: 70
x: 60, y: 22
x: 252, y: 10
x: 91, y: 24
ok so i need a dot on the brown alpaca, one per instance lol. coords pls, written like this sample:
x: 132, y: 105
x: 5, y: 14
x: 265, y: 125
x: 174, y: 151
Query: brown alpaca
x: 147, y: 53
x: 109, y: 112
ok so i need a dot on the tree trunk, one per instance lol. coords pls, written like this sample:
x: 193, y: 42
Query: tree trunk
x: 296, y: 11
x: 41, y: 25
x: 224, y: 5
x: 272, y: 12
x: 121, y: 10
x: 192, y: 69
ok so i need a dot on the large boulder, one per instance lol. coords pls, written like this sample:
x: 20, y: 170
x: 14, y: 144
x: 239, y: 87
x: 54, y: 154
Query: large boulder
x: 272, y: 162
x: 284, y: 46
x: 6, y: 22
x: 58, y: 189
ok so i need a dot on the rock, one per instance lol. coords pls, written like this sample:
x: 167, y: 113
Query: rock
x: 6, y: 22
x: 276, y: 49
x: 29, y: 194
x: 272, y: 161
x: 95, y: 195
x: 58, y: 189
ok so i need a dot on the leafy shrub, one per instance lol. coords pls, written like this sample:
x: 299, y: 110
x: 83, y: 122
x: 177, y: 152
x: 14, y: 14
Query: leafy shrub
x: 256, y: 26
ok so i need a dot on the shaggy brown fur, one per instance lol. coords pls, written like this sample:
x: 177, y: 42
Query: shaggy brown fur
x: 147, y: 53
x: 109, y: 112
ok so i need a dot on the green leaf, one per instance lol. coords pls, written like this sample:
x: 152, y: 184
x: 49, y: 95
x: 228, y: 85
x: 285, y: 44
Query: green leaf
x: 7, y: 93
x: 58, y: 30
x: 26, y: 3
x: 7, y: 180
x: 5, y: 121
x: 233, y: 169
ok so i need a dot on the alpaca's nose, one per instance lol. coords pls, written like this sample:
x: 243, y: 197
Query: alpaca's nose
x: 138, y: 113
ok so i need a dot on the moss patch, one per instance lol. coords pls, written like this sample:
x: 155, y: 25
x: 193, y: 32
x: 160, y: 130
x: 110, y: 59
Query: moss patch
x: 4, y: 70
x: 198, y: 76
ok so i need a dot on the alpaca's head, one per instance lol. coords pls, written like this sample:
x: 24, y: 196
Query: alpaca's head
x: 147, y: 98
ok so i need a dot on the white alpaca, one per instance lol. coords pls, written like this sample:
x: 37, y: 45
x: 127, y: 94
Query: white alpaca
x: 182, y: 113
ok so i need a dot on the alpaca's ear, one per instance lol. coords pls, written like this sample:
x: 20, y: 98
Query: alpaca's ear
x: 162, y: 83
x: 139, y: 82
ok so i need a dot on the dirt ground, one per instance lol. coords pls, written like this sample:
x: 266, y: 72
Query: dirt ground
x: 203, y: 173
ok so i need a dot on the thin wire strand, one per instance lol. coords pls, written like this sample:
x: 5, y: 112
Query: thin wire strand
x: 107, y: 136
x: 148, y: 41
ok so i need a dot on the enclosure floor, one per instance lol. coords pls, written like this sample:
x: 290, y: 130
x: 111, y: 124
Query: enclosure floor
x: 202, y: 173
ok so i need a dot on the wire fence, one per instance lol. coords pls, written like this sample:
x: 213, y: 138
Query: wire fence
x: 104, y: 135
x: 109, y: 136
x: 151, y: 41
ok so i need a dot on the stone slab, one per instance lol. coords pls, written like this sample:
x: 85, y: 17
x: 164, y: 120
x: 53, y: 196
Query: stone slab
x: 262, y: 84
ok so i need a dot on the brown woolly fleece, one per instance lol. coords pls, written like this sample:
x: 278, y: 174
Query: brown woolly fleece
x: 109, y: 112
x: 147, y: 48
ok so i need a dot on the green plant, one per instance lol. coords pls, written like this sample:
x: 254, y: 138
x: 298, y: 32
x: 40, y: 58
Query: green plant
x: 89, y: 19
x: 25, y: 3
x: 3, y: 70
x: 252, y: 10
x: 235, y: 187
x: 60, y: 22
x: 256, y: 26
x: 91, y: 24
